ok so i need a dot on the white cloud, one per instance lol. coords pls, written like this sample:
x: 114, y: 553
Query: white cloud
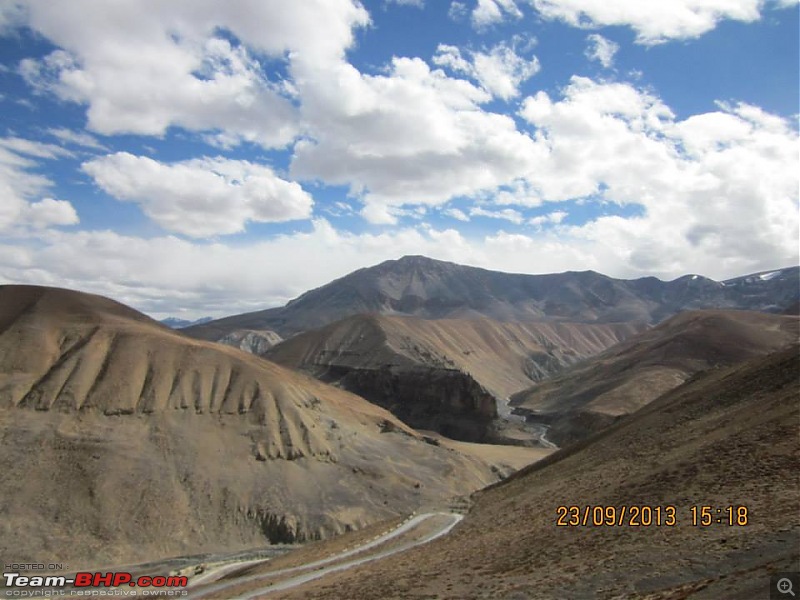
x: 499, y: 71
x: 554, y: 217
x: 489, y: 12
x: 201, y: 197
x: 79, y: 138
x: 12, y: 15
x: 506, y: 214
x: 32, y: 148
x: 457, y: 214
x: 717, y: 192
x: 166, y: 275
x: 22, y: 188
x: 654, y: 22
x: 601, y: 49
x: 142, y: 67
x: 412, y: 136
x: 49, y: 212
x: 457, y: 11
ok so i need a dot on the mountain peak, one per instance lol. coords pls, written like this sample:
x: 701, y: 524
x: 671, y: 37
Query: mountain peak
x: 424, y: 287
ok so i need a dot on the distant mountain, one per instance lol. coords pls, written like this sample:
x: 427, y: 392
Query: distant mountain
x: 593, y: 394
x: 158, y: 445
x: 726, y: 439
x: 448, y: 375
x: 176, y: 323
x: 432, y: 289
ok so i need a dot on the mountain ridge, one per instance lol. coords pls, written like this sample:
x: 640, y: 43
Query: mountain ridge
x: 432, y: 289
x: 590, y: 395
x: 445, y: 374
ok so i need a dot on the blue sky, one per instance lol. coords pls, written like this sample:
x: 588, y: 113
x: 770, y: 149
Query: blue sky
x: 199, y: 158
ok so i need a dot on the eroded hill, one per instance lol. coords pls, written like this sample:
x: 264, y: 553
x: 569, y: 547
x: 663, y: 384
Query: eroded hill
x: 449, y: 374
x: 121, y: 440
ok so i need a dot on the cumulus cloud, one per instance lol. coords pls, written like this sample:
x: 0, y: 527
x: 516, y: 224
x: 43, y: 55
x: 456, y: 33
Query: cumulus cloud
x: 490, y: 12
x: 654, y: 22
x: 718, y: 191
x: 499, y: 71
x: 165, y: 275
x: 22, y: 188
x: 601, y: 50
x: 142, y: 67
x: 49, y: 212
x: 200, y: 197
x: 412, y: 136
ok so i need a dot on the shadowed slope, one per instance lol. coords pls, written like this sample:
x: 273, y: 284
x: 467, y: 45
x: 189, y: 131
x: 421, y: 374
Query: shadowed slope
x: 444, y: 374
x: 121, y: 440
x: 728, y: 438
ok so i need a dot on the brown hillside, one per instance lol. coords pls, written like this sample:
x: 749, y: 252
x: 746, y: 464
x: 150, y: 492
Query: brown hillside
x: 591, y: 395
x: 444, y: 374
x: 727, y: 438
x: 121, y: 440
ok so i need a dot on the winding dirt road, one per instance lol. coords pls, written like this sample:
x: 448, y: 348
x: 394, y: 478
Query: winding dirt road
x: 416, y: 531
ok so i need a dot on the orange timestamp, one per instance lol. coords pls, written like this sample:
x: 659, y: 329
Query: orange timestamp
x: 648, y: 516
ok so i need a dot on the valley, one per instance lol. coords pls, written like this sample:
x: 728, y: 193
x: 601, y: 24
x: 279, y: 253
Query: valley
x: 398, y: 435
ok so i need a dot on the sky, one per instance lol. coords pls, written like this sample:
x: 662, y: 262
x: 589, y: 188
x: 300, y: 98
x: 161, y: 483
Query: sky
x: 198, y: 157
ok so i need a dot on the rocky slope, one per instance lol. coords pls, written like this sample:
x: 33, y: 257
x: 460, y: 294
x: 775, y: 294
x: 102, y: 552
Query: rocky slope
x: 447, y: 375
x: 252, y: 341
x: 727, y: 438
x: 432, y: 289
x: 121, y: 440
x: 594, y: 394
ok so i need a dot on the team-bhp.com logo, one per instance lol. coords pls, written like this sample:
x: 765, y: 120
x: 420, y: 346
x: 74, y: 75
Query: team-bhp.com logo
x: 95, y: 580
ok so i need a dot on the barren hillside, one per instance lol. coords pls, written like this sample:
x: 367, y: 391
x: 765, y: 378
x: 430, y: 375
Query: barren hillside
x: 727, y: 439
x: 444, y: 374
x: 432, y: 289
x: 121, y: 440
x: 593, y: 394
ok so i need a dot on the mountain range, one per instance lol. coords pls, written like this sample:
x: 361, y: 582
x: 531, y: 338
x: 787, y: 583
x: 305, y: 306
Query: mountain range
x: 432, y: 289
x: 328, y: 415
x: 176, y: 323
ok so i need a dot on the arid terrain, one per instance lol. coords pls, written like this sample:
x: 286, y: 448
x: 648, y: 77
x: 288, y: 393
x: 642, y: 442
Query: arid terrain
x: 726, y: 438
x: 124, y: 441
x: 591, y: 395
x: 444, y: 374
x: 376, y: 436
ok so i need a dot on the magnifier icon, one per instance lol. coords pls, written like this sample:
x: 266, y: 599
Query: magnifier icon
x: 785, y: 586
